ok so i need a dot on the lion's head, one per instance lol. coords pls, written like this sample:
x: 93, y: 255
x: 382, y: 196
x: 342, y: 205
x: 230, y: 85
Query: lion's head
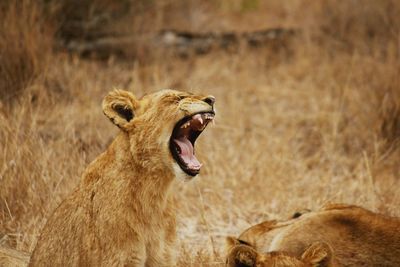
x: 242, y: 254
x: 162, y: 127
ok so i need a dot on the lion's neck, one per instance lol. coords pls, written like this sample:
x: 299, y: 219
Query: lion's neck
x: 145, y: 187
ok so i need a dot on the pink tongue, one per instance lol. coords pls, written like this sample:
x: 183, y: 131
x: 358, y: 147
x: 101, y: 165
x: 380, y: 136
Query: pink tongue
x: 187, y: 154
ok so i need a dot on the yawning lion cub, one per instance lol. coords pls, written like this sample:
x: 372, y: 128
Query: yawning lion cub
x: 122, y: 213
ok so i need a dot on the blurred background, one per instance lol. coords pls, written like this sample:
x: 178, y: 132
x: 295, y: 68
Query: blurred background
x: 308, y: 105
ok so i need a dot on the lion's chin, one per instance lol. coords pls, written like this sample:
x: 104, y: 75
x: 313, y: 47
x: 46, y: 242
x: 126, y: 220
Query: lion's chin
x: 180, y: 175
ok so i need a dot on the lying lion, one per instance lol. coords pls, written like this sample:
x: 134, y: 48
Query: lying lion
x: 337, y: 235
x: 123, y: 212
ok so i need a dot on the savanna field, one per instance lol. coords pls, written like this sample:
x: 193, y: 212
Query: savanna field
x: 300, y: 123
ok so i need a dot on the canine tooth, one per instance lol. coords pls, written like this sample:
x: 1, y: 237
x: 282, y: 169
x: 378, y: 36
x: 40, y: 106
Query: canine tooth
x: 201, y: 120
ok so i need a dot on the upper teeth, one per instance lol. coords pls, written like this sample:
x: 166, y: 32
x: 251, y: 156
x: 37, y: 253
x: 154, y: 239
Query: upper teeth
x: 200, y: 118
x: 185, y: 125
x: 208, y: 116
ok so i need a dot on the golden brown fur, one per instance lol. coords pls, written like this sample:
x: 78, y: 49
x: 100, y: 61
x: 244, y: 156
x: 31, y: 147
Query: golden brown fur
x: 356, y: 236
x: 122, y: 212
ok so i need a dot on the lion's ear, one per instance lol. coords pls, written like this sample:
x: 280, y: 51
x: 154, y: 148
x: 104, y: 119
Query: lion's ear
x: 231, y: 242
x: 239, y: 254
x: 319, y: 254
x: 242, y: 256
x: 119, y: 106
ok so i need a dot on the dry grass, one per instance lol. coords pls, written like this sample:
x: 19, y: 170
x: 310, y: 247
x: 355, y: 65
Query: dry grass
x: 321, y: 125
x: 24, y: 46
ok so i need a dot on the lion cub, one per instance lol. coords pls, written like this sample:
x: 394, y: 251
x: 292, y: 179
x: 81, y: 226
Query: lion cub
x: 337, y: 235
x: 123, y: 212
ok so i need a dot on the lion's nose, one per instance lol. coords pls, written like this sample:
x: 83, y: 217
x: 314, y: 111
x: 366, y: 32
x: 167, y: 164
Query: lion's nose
x: 209, y: 100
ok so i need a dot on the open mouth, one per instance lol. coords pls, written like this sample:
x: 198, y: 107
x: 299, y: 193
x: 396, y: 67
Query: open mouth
x: 183, y: 138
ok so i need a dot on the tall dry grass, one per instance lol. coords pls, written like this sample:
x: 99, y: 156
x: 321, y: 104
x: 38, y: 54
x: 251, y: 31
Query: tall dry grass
x: 292, y: 131
x: 25, y: 42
